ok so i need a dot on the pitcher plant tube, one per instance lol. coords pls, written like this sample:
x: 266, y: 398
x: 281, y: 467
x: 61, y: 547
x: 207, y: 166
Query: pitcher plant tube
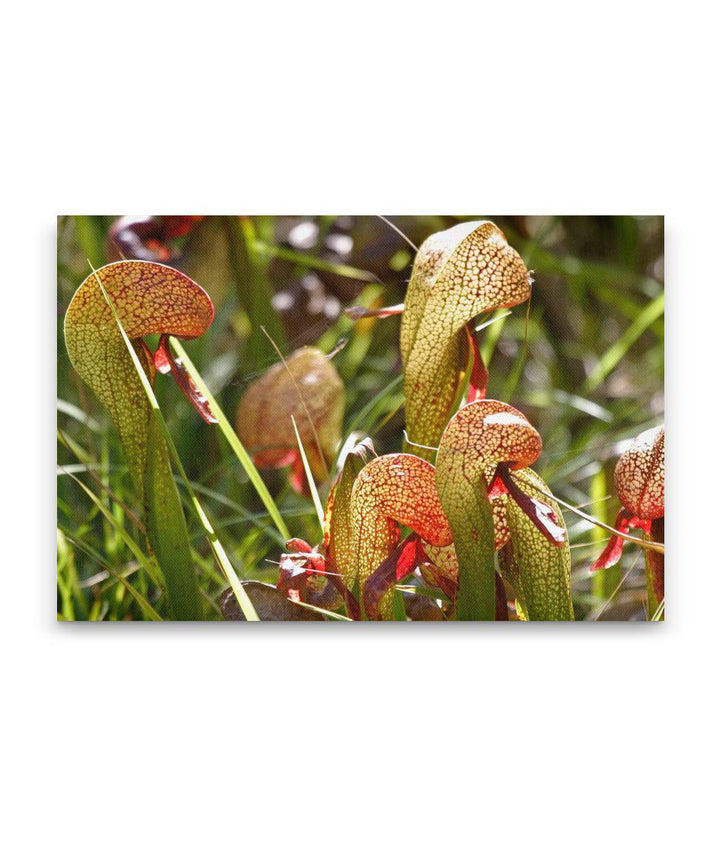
x: 149, y: 298
x: 495, y: 502
x: 457, y: 275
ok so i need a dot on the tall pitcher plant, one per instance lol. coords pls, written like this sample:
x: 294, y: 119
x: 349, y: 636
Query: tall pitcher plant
x: 144, y: 298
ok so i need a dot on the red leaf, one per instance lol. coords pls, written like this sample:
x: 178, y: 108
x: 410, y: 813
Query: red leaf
x: 435, y: 576
x: 539, y: 513
x: 296, y: 570
x: 501, y: 606
x: 161, y: 358
x: 610, y: 555
x: 638, y: 523
x: 357, y: 313
x: 497, y: 485
x: 479, y: 375
x: 175, y: 226
x: 351, y: 604
x: 614, y: 547
x: 403, y: 560
x: 146, y: 237
x: 298, y: 545
x: 270, y: 460
x: 298, y: 476
x: 302, y: 578
x: 165, y: 361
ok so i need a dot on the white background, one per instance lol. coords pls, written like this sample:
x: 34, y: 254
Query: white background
x: 202, y: 739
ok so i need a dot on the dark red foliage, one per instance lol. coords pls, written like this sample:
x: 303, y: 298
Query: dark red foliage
x: 165, y: 362
x: 146, y: 238
x: 479, y: 374
x: 614, y: 547
x: 408, y: 554
x: 302, y: 572
x: 501, y: 605
x: 540, y: 513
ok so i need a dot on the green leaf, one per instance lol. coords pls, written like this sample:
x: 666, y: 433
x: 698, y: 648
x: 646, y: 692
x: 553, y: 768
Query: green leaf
x: 625, y: 341
x: 255, y: 290
x: 147, y: 610
x: 309, y: 476
x: 382, y: 402
x: 130, y: 543
x: 91, y: 238
x: 270, y: 251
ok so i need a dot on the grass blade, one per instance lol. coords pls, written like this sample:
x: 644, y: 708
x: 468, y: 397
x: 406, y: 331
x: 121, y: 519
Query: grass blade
x: 618, y: 349
x: 128, y: 540
x: 314, y: 262
x: 75, y: 412
x: 335, y: 616
x: 374, y: 404
x: 311, y: 481
x: 147, y: 609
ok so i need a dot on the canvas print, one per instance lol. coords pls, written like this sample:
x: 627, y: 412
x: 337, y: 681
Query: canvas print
x: 360, y: 418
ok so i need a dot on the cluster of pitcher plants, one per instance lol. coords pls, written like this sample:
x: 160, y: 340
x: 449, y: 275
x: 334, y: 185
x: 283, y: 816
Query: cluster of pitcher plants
x: 455, y: 525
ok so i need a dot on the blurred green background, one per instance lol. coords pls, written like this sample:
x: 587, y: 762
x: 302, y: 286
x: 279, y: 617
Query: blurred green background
x: 585, y: 366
